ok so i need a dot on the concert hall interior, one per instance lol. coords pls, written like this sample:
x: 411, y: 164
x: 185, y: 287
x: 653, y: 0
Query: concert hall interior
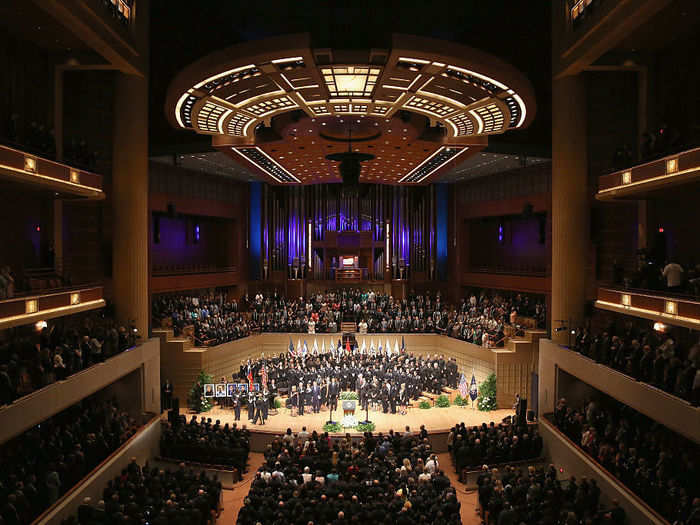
x: 321, y: 263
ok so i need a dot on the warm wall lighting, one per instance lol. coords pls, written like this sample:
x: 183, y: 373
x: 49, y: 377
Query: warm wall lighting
x: 672, y: 166
x: 626, y: 177
x: 31, y: 306
x: 75, y: 298
x: 659, y: 327
x: 75, y: 177
x: 40, y: 325
x: 30, y: 164
x: 626, y: 299
x: 671, y: 307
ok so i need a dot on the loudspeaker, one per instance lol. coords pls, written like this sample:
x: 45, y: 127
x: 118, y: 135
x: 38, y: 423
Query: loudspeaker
x: 530, y: 416
x: 171, y: 210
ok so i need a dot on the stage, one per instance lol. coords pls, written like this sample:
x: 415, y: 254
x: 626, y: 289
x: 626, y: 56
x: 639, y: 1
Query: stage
x: 436, y: 420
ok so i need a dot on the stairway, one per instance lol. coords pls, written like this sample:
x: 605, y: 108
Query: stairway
x: 348, y: 327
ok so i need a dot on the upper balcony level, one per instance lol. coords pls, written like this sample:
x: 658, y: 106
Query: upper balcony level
x: 676, y: 310
x: 27, y: 309
x: 28, y: 169
x: 639, y: 181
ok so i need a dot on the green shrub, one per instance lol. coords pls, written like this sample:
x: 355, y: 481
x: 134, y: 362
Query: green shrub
x: 195, y: 399
x: 442, y: 401
x: 487, y: 394
x: 424, y: 405
x: 365, y: 427
x: 345, y: 396
x: 460, y: 401
x: 332, y: 427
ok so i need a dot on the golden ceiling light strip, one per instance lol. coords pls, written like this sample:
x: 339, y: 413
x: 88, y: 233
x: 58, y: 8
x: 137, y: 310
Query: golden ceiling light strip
x: 46, y: 177
x: 219, y: 75
x: 288, y: 59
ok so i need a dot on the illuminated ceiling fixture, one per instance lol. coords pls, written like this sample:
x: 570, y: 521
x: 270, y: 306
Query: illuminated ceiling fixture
x: 350, y: 81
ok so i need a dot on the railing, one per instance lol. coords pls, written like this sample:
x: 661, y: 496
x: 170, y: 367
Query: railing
x: 186, y: 269
x: 530, y: 270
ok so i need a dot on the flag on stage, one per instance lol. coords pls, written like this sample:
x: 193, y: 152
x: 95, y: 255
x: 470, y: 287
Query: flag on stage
x: 396, y: 346
x: 298, y: 354
x: 315, y: 349
x: 323, y: 346
x: 387, y: 348
x: 250, y: 380
x: 473, y: 390
x: 305, y: 350
x: 263, y: 377
x: 363, y: 348
x: 347, y: 346
x: 371, y: 347
x: 463, y: 389
x: 379, y: 350
x: 403, y: 345
x: 291, y: 346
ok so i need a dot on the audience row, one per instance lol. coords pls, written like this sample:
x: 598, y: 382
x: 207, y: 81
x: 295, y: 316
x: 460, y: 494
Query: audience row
x: 151, y: 496
x: 206, y: 442
x: 658, y: 465
x: 392, y: 478
x: 39, y: 466
x: 33, y: 360
x: 646, y: 355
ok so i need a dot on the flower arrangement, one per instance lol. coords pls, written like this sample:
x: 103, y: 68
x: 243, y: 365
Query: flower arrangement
x: 487, y: 394
x: 196, y: 399
x: 365, y: 427
x: 442, y: 401
x: 345, y: 396
x: 332, y: 427
x: 424, y: 405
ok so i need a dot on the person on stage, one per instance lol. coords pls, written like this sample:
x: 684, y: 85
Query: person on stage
x: 265, y: 405
x: 294, y: 401
x: 360, y: 387
x: 258, y: 403
x: 316, y: 398
x: 251, y: 405
x: 237, y: 406
x: 403, y: 399
x: 333, y: 393
x: 392, y: 397
x: 272, y: 391
x: 302, y: 400
x: 324, y: 392
x: 386, y: 393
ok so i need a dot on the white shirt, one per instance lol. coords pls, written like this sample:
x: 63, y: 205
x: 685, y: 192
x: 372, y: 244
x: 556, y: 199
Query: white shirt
x: 673, y: 272
x: 431, y: 466
x: 307, y: 477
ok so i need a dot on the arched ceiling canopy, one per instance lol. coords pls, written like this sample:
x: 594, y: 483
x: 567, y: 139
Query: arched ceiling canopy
x: 458, y: 96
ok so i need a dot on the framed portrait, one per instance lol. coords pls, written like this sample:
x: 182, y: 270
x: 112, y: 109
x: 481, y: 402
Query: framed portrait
x: 209, y: 390
x: 242, y: 387
x: 230, y: 389
x: 221, y: 390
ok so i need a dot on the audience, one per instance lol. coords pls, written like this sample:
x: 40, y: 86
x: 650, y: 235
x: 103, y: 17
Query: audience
x: 389, y: 478
x: 34, y: 361
x: 648, y: 356
x: 493, y: 444
x: 148, y: 495
x: 216, y: 319
x: 39, y: 466
x: 658, y: 465
x: 205, y: 442
x: 513, y: 496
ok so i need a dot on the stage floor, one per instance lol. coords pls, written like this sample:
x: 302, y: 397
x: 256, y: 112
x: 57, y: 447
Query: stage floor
x: 435, y: 419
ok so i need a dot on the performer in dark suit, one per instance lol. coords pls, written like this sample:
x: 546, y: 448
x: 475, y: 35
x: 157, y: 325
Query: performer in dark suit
x: 265, y: 405
x: 333, y: 393
x: 237, y: 406
x: 324, y: 393
x: 251, y: 405
x: 316, y: 398
x: 302, y: 395
x: 258, y: 403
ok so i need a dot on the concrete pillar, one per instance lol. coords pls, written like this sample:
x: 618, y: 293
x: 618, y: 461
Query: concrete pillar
x: 58, y: 236
x: 130, y: 201
x: 570, y: 205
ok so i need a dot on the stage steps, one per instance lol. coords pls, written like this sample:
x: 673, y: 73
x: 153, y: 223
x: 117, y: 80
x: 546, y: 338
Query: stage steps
x: 348, y: 327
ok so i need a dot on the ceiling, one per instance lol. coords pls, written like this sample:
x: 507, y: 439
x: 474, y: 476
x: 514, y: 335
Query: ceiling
x: 210, y: 162
x: 279, y: 107
x: 486, y: 163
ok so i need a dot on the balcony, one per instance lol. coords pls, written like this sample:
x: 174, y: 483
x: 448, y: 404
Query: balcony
x: 638, y: 181
x: 661, y: 307
x: 25, y: 168
x: 50, y: 304
x: 192, y: 277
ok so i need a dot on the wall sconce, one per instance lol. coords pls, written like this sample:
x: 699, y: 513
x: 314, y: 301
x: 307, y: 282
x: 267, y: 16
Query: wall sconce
x: 626, y: 300
x: 75, y: 177
x: 672, y: 166
x: 31, y: 306
x: 671, y: 307
x: 30, y: 164
x: 75, y: 298
x: 626, y: 177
